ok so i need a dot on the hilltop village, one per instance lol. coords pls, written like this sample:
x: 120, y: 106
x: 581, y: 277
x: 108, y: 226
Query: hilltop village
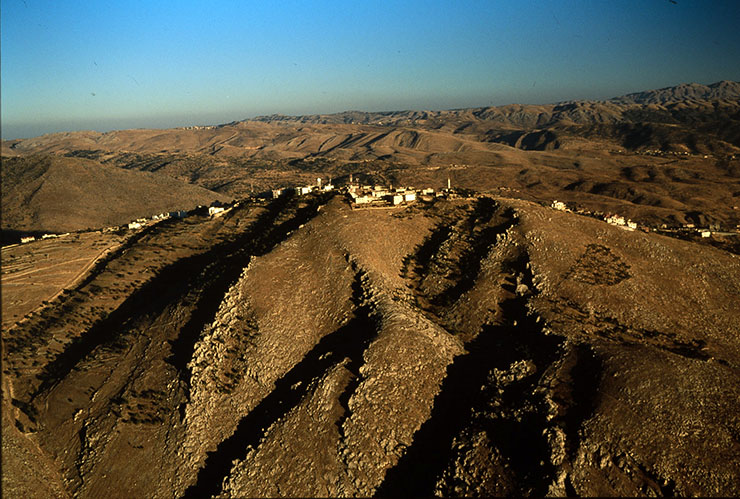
x: 367, y: 196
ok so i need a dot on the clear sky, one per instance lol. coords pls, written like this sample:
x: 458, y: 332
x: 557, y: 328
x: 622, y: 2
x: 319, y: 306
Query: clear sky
x: 101, y: 65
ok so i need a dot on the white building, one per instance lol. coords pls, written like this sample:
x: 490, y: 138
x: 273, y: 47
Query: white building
x: 134, y: 225
x: 409, y: 196
x: 213, y: 210
x: 558, y: 205
x: 28, y: 239
x: 615, y: 220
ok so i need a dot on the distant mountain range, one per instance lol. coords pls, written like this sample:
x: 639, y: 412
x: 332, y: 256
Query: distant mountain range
x: 722, y: 90
x: 690, y: 95
x: 691, y: 117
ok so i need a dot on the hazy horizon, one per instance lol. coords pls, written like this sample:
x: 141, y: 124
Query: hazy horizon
x: 141, y: 65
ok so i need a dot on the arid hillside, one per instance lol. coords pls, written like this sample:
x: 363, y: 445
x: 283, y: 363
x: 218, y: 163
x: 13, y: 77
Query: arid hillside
x: 58, y: 194
x: 299, y: 347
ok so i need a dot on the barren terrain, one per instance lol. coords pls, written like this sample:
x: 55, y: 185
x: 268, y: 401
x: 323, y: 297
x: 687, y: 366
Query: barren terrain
x: 33, y: 274
x: 478, y: 343
x: 478, y: 346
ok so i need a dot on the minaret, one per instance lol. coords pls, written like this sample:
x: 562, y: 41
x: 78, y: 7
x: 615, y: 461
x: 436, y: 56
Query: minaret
x: 448, y: 184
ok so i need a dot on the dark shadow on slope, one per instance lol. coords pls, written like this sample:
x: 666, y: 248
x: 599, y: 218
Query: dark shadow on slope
x: 347, y: 342
x: 212, y: 272
x: 447, y: 263
x: 584, y: 394
x: 481, y: 240
x: 464, y: 402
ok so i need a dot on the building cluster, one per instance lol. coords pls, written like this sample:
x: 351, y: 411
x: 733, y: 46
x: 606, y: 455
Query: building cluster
x: 627, y: 224
x: 367, y: 195
x: 30, y: 239
x: 199, y: 127
x: 690, y: 228
x: 559, y: 205
x: 612, y: 219
x: 141, y: 222
x: 377, y: 195
x: 620, y: 221
x: 303, y: 189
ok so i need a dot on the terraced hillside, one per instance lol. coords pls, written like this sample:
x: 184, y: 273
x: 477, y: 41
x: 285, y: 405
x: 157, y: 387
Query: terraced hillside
x: 480, y: 346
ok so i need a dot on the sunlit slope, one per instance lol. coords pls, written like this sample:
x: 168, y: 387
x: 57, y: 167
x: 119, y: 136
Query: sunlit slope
x: 51, y: 193
x: 471, y: 347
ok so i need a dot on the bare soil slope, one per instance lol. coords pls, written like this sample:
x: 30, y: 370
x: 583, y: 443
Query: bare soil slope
x: 57, y: 194
x: 482, y: 346
x: 35, y: 273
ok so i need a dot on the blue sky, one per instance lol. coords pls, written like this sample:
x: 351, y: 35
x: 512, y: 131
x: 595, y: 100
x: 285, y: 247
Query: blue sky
x: 71, y: 65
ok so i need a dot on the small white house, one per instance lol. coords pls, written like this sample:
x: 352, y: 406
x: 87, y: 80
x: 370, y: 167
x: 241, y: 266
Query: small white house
x: 397, y: 199
x: 213, y: 210
x: 409, y: 196
x: 559, y: 205
x: 134, y: 225
x: 28, y: 239
x: 706, y: 233
x: 615, y: 220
